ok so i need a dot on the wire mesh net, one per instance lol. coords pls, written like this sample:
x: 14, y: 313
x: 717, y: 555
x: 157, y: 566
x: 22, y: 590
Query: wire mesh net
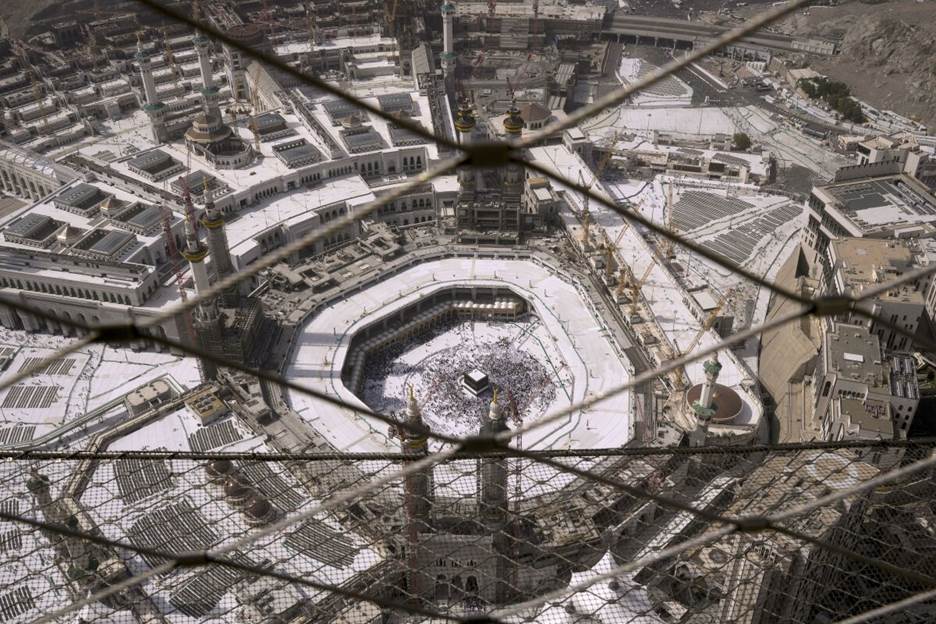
x: 755, y: 535
x: 805, y: 534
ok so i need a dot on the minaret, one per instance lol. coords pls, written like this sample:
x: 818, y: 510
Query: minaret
x: 206, y: 327
x: 417, y: 494
x: 417, y: 444
x: 217, y: 239
x: 154, y: 109
x: 448, y: 39
x: 513, y: 122
x: 465, y: 125
x: 712, y: 368
x: 705, y: 408
x: 493, y: 495
x: 493, y: 503
x: 209, y: 91
x: 196, y: 252
x: 513, y: 128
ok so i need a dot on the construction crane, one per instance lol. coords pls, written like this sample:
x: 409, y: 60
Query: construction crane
x: 254, y: 101
x: 666, y: 245
x: 679, y: 375
x: 606, y: 159
x: 623, y: 283
x: 609, y: 263
x: 638, y: 285
x: 706, y: 325
x: 586, y: 216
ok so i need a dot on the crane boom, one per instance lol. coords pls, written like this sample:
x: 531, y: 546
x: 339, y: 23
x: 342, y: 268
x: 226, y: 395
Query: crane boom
x: 706, y: 325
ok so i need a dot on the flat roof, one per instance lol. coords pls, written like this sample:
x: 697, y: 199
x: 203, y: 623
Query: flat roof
x: 882, y: 203
x: 297, y: 153
x: 293, y: 208
x: 860, y: 258
x: 326, y: 137
x: 396, y: 102
x: 855, y: 354
x: 339, y: 109
x: 152, y: 161
x: 872, y: 416
x: 111, y: 242
x: 401, y: 137
x: 81, y: 195
x: 32, y: 226
x: 132, y: 211
x: 359, y: 141
x: 146, y: 217
x: 268, y: 122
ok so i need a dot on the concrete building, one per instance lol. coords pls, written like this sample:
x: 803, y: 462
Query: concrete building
x: 235, y: 63
x: 703, y: 164
x: 28, y: 175
x: 858, y: 391
x: 869, y: 201
x: 499, y: 205
x: 851, y: 265
x: 526, y: 24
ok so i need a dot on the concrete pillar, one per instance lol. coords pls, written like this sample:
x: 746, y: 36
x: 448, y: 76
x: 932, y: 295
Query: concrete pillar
x: 7, y: 317
x: 29, y: 321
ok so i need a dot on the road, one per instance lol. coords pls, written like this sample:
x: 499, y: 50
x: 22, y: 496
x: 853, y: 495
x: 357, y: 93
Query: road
x: 688, y: 31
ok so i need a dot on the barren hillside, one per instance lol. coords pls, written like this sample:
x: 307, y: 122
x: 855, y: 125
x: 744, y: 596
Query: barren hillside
x: 887, y: 52
x: 19, y: 13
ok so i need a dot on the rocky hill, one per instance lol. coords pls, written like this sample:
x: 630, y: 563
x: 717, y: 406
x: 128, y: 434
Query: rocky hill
x: 887, y: 52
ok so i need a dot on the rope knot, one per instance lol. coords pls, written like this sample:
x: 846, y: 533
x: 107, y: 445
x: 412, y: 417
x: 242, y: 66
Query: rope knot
x: 831, y: 306
x: 118, y: 333
x: 489, y: 154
